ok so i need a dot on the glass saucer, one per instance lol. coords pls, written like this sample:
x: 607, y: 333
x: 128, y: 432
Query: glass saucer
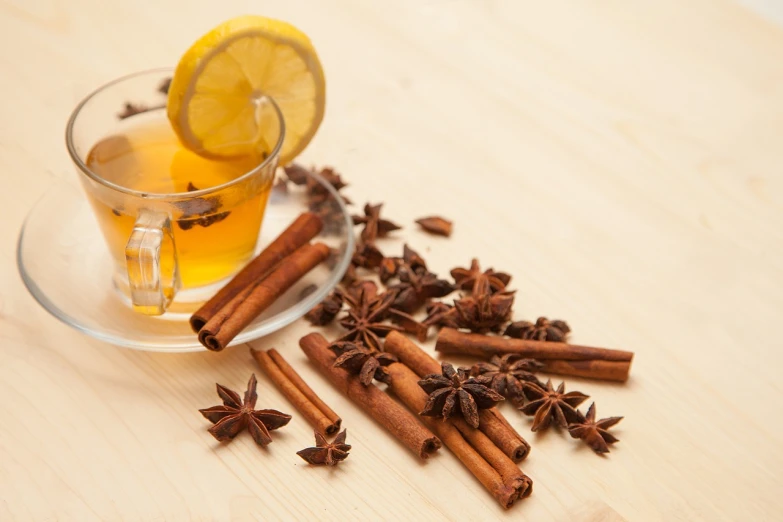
x: 65, y: 265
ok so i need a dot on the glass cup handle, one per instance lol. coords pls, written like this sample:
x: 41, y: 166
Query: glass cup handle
x: 153, y: 272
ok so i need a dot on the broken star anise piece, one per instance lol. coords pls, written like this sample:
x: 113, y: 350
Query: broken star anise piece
x: 542, y: 330
x: 546, y: 404
x: 466, y: 278
x: 453, y: 391
x: 236, y: 414
x: 436, y: 225
x: 593, y: 432
x: 506, y: 374
x: 368, y: 364
x: 325, y: 452
x: 483, y: 310
x: 324, y: 312
x: 365, y: 316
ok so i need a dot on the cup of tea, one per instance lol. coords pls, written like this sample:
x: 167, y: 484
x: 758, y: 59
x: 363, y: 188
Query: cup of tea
x: 177, y: 224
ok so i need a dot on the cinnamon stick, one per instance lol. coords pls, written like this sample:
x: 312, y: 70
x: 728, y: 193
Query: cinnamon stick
x: 559, y: 358
x: 301, y: 231
x: 233, y: 317
x: 398, y: 421
x: 498, y: 473
x: 491, y: 421
x: 298, y: 393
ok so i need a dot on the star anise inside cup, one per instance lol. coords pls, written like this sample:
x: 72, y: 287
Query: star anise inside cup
x: 506, y: 374
x: 454, y: 392
x: 368, y: 364
x: 236, y: 414
x: 547, y: 404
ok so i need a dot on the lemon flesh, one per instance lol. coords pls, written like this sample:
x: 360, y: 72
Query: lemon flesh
x: 216, y: 101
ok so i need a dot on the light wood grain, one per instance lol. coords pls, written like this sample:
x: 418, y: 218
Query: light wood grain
x: 622, y: 159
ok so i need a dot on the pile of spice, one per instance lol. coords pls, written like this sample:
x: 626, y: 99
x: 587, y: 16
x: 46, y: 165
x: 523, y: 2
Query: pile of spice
x: 383, y: 301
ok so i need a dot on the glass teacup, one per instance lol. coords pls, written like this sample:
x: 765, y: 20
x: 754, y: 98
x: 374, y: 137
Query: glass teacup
x: 177, y: 225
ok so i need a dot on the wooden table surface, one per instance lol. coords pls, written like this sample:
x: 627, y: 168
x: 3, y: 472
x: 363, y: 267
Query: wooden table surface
x: 621, y: 159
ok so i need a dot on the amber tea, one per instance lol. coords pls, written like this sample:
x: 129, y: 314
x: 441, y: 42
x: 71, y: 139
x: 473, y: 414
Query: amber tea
x: 213, y: 237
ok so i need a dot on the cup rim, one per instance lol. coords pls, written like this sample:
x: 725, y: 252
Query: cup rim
x: 273, y: 156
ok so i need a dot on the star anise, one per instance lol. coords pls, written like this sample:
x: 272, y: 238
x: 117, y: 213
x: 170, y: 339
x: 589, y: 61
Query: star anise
x: 300, y: 175
x: 362, y: 361
x: 506, y: 374
x: 416, y: 284
x: 325, y: 452
x: 466, y: 278
x: 364, y: 319
x: 453, y: 391
x: 483, y: 310
x: 320, y: 201
x: 333, y: 178
x: 547, y: 404
x: 235, y: 415
x: 440, y: 314
x: 374, y: 225
x: 354, y: 291
x: 330, y: 213
x: 542, y: 330
x: 410, y: 258
x: 416, y: 287
x: 324, y: 312
x: 367, y: 255
x: 199, y: 211
x: 593, y: 432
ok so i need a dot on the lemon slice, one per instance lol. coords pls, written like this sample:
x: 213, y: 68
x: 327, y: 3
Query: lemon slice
x: 217, y: 101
